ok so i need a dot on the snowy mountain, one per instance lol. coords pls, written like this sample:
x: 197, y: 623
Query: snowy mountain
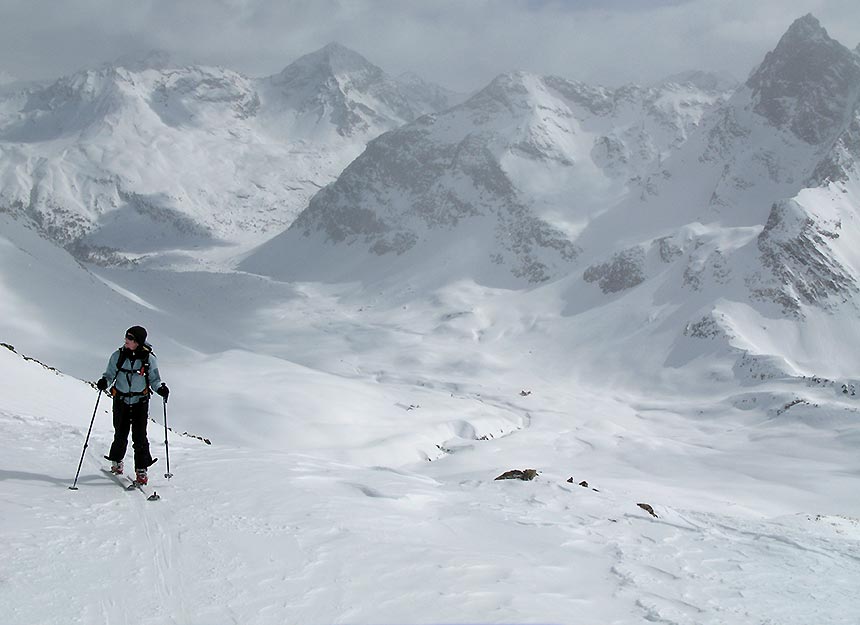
x: 785, y: 137
x: 193, y: 156
x: 748, y: 242
x: 716, y: 228
x: 502, y: 180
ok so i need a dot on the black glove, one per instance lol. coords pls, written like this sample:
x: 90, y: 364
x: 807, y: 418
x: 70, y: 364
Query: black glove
x: 102, y: 384
x: 163, y: 391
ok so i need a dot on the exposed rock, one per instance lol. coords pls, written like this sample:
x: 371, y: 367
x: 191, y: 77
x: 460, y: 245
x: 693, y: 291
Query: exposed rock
x: 794, y: 248
x: 669, y: 251
x: 624, y: 271
x: 647, y: 508
x: 516, y: 474
x: 806, y: 82
x: 843, y: 159
x: 706, y: 328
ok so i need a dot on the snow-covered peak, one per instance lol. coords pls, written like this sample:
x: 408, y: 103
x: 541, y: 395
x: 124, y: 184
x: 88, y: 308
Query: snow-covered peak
x: 340, y: 87
x: 333, y: 59
x: 71, y: 105
x: 805, y: 28
x: 510, y: 91
x: 333, y: 66
x: 806, y: 83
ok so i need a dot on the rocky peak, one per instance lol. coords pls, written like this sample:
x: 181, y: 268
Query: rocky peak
x: 803, y: 29
x: 85, y: 86
x: 807, y: 83
x: 510, y: 91
x: 331, y: 61
x: 352, y: 93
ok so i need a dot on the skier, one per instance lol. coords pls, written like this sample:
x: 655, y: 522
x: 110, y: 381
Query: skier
x: 134, y: 371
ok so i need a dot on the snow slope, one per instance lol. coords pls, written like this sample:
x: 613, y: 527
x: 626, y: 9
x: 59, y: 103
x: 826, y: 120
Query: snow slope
x: 355, y: 438
x: 316, y: 502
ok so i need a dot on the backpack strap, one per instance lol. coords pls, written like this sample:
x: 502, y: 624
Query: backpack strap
x: 120, y: 360
x: 146, y: 350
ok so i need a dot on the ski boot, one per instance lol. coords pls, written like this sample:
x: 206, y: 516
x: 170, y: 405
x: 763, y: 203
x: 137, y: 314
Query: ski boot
x: 116, y: 467
x: 140, y: 477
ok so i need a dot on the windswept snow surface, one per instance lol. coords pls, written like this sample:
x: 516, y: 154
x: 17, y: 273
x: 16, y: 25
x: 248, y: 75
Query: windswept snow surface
x: 355, y: 438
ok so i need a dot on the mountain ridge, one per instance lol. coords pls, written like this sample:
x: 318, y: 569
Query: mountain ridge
x: 197, y: 155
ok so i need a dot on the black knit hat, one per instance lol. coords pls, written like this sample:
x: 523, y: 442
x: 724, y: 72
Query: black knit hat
x: 139, y: 334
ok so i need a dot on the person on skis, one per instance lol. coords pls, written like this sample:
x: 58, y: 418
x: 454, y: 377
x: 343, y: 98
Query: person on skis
x: 133, y: 369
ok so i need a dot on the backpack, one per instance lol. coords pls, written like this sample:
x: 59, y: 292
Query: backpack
x: 146, y: 351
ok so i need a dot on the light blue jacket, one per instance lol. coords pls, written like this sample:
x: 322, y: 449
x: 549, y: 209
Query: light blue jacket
x: 131, y: 377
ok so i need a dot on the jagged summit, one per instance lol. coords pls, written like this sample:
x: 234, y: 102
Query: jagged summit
x: 354, y: 96
x: 330, y: 60
x: 805, y: 27
x: 806, y: 82
x: 509, y: 90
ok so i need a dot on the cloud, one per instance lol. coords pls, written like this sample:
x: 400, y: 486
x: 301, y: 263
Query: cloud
x: 458, y: 44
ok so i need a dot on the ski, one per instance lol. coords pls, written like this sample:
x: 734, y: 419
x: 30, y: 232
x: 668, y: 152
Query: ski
x: 132, y: 486
x: 114, y: 477
x: 135, y: 486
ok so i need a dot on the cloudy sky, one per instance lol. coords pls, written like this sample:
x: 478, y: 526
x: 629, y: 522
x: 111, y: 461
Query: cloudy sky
x: 461, y: 44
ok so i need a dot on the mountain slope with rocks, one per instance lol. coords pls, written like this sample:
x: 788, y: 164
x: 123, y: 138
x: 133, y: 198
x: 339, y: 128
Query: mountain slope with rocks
x: 144, y: 158
x: 750, y: 175
x: 749, y: 241
x: 496, y: 187
x: 688, y: 231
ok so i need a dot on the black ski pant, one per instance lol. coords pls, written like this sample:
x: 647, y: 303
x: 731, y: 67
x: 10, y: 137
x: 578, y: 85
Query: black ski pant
x: 132, y: 417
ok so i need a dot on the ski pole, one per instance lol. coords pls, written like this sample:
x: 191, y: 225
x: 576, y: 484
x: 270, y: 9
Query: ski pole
x: 86, y: 442
x: 168, y: 475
